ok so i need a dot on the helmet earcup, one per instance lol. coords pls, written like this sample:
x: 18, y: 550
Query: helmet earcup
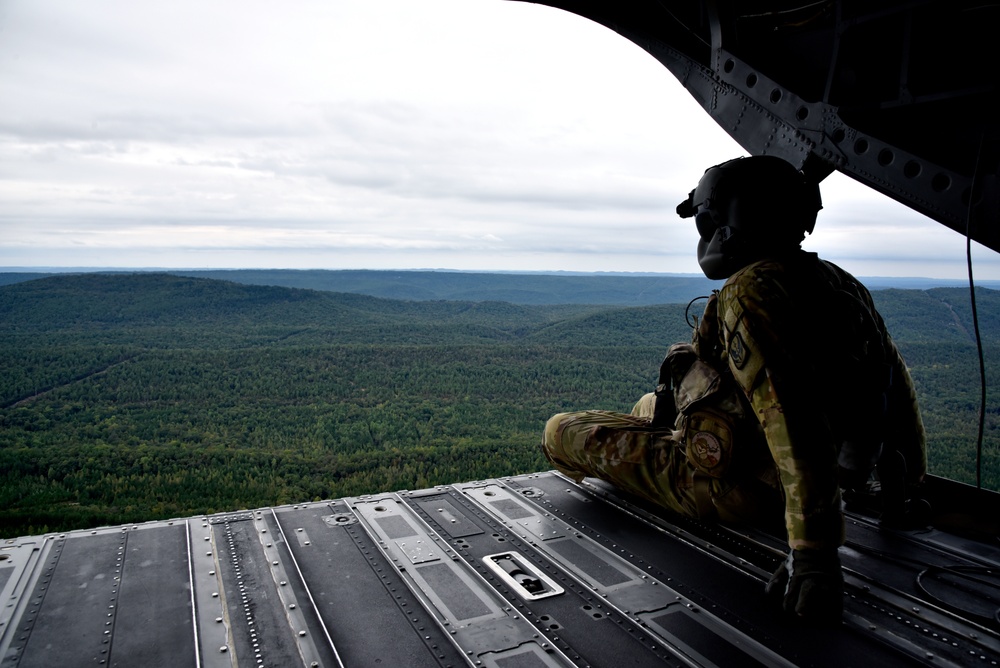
x: 719, y: 256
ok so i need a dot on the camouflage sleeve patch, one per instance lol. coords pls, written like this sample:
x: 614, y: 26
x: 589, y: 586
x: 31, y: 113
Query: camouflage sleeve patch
x: 739, y: 353
x: 746, y: 362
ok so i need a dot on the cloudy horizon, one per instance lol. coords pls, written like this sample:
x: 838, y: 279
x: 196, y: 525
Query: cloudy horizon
x: 334, y: 134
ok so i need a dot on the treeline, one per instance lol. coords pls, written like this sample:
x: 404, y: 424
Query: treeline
x: 516, y: 288
x: 127, y: 398
x: 630, y: 289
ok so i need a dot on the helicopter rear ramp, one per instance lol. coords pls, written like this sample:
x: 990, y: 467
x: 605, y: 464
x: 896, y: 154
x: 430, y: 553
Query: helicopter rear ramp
x: 521, y: 572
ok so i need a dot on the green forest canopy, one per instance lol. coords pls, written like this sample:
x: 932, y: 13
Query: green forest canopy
x: 131, y: 397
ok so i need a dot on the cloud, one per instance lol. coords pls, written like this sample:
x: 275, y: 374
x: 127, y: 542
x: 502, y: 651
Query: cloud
x: 451, y: 133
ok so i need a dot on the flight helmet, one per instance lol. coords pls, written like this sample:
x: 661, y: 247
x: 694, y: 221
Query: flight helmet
x: 748, y: 209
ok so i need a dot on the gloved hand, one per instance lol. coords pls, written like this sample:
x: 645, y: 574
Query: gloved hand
x: 810, y: 584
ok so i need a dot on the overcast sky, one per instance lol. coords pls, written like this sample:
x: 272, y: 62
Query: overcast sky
x: 458, y: 134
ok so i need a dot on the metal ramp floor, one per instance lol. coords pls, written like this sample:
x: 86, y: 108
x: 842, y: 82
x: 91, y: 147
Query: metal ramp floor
x: 519, y: 572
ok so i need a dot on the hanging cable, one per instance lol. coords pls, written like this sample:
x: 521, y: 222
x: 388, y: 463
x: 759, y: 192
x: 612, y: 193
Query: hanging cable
x: 975, y: 322
x: 692, y: 321
x: 692, y: 33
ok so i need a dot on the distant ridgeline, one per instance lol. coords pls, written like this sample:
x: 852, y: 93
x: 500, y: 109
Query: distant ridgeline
x: 129, y: 397
x: 516, y: 288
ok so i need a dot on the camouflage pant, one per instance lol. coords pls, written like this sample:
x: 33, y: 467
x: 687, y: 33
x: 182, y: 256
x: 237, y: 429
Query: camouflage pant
x: 627, y: 452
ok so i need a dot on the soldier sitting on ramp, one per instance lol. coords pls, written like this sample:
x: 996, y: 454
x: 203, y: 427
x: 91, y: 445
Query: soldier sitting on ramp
x: 790, y: 390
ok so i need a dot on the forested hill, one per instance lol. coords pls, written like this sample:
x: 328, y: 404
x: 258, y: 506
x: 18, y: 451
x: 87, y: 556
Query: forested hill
x: 129, y: 397
x: 516, y: 288
x: 152, y: 306
x: 163, y: 309
x: 622, y: 290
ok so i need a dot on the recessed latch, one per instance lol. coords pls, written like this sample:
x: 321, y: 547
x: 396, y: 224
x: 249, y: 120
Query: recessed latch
x: 526, y: 580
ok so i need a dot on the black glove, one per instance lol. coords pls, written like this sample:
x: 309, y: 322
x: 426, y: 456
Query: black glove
x: 810, y: 584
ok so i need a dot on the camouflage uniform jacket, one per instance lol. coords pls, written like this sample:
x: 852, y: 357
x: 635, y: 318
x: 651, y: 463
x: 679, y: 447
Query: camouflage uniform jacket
x: 804, y: 342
